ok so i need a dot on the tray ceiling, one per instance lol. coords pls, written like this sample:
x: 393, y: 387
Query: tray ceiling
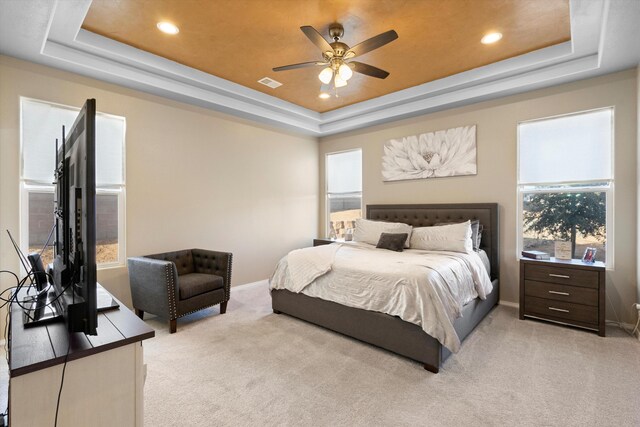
x: 603, y: 40
x: 242, y: 40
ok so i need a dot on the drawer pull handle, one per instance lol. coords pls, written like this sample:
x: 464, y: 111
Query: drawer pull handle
x: 559, y: 293
x: 558, y: 309
x: 562, y: 276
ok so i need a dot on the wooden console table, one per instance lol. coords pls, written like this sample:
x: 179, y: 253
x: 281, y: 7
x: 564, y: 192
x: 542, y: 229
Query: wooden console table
x: 104, y: 378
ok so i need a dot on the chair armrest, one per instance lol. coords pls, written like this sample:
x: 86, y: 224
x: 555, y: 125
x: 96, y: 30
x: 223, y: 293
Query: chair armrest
x: 214, y: 262
x: 154, y: 285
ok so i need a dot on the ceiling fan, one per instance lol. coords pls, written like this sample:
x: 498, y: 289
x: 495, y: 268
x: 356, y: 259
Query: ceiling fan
x: 335, y: 55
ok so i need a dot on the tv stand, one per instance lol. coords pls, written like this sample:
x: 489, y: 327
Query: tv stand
x: 104, y: 377
x: 41, y: 308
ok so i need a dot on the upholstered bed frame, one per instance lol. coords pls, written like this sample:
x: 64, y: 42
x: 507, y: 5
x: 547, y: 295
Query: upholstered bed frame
x: 390, y: 332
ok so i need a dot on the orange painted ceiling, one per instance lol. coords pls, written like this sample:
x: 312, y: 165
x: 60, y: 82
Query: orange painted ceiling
x: 242, y: 40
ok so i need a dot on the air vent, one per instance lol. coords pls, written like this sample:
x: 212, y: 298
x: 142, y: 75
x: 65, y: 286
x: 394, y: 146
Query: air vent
x: 269, y: 82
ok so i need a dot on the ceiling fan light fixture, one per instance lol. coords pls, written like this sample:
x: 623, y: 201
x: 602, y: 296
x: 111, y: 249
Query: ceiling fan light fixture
x: 345, y: 72
x: 339, y: 81
x: 326, y: 75
x: 167, y: 27
x: 325, y: 91
x: 490, y: 38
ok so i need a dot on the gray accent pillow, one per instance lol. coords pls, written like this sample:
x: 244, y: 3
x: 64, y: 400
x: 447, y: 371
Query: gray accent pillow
x: 392, y: 241
x: 480, y: 229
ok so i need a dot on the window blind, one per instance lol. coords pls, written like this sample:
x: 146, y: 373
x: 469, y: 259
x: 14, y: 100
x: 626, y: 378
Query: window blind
x: 574, y: 148
x: 344, y: 172
x: 42, y: 124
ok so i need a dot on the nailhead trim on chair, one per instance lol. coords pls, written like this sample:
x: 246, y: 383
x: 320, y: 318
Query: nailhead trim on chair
x: 198, y: 309
x: 227, y: 287
x: 171, y: 291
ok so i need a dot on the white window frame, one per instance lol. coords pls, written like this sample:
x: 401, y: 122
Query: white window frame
x: 595, y: 186
x: 28, y: 186
x: 328, y: 195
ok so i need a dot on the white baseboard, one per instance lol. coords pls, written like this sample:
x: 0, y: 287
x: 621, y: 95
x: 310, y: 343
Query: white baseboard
x: 629, y: 326
x: 263, y: 282
x: 509, y: 304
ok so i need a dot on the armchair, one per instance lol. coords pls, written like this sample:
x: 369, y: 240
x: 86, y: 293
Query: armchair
x: 174, y: 284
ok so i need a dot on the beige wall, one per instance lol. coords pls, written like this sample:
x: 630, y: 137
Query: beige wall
x: 496, y: 179
x: 638, y: 185
x: 194, y: 177
x: 202, y: 178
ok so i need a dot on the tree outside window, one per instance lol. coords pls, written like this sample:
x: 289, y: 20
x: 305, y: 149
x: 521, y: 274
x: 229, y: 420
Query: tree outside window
x: 579, y: 218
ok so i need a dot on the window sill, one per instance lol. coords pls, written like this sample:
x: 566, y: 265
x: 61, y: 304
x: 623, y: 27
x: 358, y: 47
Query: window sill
x: 111, y: 266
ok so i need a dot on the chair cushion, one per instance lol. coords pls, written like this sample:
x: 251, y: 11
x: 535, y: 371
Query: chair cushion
x: 194, y: 284
x: 182, y: 259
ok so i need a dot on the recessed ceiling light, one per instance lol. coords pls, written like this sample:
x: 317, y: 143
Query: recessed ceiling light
x: 324, y: 95
x: 167, y: 27
x: 491, y: 38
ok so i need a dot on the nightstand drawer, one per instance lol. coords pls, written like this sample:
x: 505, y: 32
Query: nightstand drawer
x: 584, y: 315
x: 556, y: 292
x: 562, y: 275
x: 568, y: 292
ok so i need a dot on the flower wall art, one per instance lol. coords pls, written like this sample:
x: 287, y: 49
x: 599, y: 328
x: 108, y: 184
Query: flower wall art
x: 450, y: 152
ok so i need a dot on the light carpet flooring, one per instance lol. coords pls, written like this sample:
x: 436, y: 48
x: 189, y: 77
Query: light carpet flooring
x: 252, y: 367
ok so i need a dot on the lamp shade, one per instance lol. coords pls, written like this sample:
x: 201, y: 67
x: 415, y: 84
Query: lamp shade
x: 326, y: 75
x: 325, y: 92
x: 339, y: 81
x: 345, y: 72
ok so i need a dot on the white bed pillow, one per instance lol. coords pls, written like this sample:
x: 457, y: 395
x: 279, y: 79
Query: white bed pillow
x: 368, y: 231
x: 453, y: 237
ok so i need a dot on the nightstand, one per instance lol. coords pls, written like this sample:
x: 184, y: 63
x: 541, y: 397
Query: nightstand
x: 326, y: 241
x: 569, y: 292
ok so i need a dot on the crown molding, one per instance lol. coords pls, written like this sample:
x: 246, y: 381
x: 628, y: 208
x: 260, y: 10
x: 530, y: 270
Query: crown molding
x: 66, y: 45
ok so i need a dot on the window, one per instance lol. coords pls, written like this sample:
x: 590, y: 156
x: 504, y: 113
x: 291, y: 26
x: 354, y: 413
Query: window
x: 344, y: 191
x: 565, y: 183
x: 41, y: 124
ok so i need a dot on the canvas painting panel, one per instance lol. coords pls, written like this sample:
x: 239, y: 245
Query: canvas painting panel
x: 450, y: 152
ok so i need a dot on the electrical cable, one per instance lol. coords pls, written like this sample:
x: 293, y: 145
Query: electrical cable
x: 637, y: 322
x: 13, y: 299
x: 53, y: 228
x: 64, y: 368
x: 21, y: 257
x: 7, y: 340
x: 618, y: 323
x: 30, y: 275
x: 7, y: 319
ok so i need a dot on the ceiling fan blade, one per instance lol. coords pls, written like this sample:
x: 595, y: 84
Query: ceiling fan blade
x: 300, y: 65
x: 371, y: 44
x: 316, y: 38
x: 368, y: 70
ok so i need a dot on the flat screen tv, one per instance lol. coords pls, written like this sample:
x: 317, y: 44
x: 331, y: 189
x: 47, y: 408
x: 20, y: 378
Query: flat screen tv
x: 74, y: 264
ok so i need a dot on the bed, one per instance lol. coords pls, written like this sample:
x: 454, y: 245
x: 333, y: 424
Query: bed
x: 391, y: 332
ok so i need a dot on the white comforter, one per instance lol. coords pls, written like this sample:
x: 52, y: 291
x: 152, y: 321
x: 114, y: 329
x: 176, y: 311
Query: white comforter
x: 427, y: 288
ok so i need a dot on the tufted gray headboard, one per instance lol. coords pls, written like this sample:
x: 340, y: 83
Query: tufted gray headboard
x: 427, y: 215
